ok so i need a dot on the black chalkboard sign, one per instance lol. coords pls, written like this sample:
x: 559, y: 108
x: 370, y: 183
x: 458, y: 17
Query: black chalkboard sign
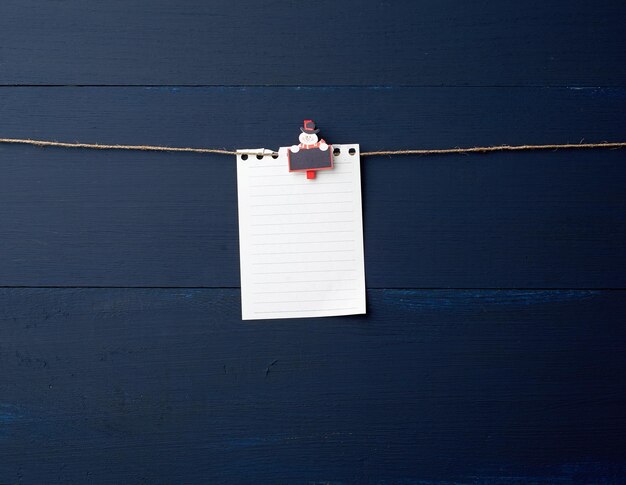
x: 310, y: 159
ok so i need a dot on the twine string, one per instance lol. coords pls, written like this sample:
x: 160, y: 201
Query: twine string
x: 496, y: 148
x: 219, y: 151
x: 97, y: 146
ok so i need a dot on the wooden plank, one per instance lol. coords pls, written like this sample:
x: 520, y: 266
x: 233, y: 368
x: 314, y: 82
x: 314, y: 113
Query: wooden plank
x: 562, y: 42
x: 170, y: 386
x: 84, y: 218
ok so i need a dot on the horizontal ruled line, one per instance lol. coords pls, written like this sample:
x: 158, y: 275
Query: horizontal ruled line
x: 301, y: 185
x: 301, y: 281
x: 309, y: 261
x: 301, y: 222
x: 302, y: 193
x: 306, y: 252
x: 302, y: 203
x: 256, y: 176
x: 300, y: 291
x: 305, y: 271
x: 312, y: 310
x: 301, y: 213
x: 296, y: 233
x: 303, y: 301
x: 301, y: 232
x: 294, y: 174
x: 302, y: 242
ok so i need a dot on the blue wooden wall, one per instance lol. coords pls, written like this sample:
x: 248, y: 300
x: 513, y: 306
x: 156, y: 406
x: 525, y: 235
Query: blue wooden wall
x: 493, y: 351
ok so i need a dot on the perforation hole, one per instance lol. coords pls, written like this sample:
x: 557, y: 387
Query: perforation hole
x: 244, y: 157
x: 259, y: 157
x: 336, y: 151
x: 274, y: 155
x: 352, y: 151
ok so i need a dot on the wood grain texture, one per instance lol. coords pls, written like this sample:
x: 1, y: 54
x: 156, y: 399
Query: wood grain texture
x: 165, y: 384
x: 169, y: 386
x: 524, y: 220
x: 225, y: 42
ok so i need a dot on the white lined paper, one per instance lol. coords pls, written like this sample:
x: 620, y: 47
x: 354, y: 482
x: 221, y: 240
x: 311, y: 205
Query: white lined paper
x: 300, y: 241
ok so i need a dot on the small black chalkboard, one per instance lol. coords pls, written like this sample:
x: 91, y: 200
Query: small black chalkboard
x: 310, y: 159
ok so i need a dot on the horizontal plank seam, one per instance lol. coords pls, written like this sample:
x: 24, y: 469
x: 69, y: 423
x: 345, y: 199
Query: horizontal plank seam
x: 432, y: 288
x: 324, y: 86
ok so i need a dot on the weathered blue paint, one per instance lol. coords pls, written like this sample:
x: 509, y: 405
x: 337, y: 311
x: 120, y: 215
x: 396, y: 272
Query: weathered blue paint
x: 7, y: 413
x: 441, y: 386
x: 510, y: 298
x: 493, y: 349
x: 522, y: 220
x: 432, y: 42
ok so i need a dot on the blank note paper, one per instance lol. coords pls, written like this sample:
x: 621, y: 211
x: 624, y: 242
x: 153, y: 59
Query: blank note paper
x: 301, y: 241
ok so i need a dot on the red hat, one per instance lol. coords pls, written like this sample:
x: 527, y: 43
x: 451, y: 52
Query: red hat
x: 309, y: 127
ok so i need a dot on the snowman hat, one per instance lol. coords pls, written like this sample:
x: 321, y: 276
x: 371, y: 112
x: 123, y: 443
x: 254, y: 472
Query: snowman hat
x: 309, y: 127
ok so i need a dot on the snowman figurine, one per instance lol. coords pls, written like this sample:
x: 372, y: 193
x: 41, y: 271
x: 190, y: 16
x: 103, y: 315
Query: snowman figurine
x: 311, y: 154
